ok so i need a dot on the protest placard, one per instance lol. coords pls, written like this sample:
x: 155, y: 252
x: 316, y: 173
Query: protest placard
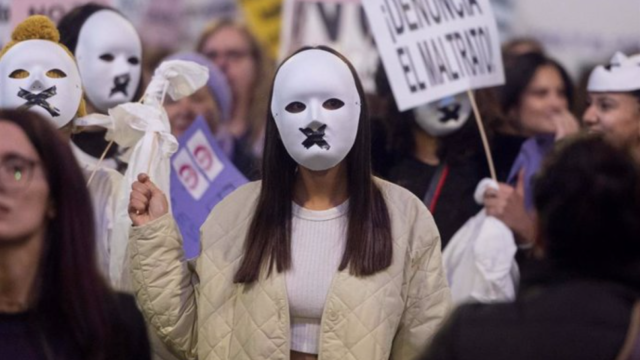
x: 54, y: 9
x: 340, y: 24
x: 201, y: 176
x: 435, y: 48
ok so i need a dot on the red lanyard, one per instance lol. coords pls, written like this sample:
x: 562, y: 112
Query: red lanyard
x: 438, y: 190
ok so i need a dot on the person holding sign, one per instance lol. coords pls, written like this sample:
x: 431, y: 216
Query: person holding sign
x: 318, y: 260
x: 434, y: 147
x: 614, y: 102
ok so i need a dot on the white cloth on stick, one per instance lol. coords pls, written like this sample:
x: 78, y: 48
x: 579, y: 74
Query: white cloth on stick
x: 479, y: 259
x: 146, y: 129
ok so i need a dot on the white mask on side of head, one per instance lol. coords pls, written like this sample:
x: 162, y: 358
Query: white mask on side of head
x: 316, y: 107
x: 40, y: 76
x: 445, y: 116
x: 109, y: 53
x: 622, y: 74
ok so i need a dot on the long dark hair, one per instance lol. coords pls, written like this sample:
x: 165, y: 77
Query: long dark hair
x: 519, y: 72
x: 72, y: 297
x: 268, y: 243
x: 587, y: 196
x: 71, y: 24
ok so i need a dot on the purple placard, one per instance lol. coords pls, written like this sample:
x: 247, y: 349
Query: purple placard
x: 201, y: 176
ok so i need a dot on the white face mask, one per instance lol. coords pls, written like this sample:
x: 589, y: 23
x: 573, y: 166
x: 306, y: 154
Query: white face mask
x: 316, y: 107
x: 444, y: 116
x: 40, y: 76
x: 109, y: 52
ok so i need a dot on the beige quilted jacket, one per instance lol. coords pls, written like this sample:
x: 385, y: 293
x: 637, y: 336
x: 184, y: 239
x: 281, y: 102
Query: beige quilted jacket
x: 201, y: 314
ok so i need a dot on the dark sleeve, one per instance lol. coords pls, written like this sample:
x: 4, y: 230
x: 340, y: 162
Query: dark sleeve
x: 132, y: 334
x: 443, y: 345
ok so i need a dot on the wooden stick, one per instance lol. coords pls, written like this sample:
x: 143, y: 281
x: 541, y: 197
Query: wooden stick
x: 483, y: 135
x: 104, y: 154
x: 164, y: 93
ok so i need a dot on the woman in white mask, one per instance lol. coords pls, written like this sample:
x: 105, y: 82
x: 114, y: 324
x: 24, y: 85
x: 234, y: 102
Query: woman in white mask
x: 614, y: 102
x: 434, y: 153
x: 318, y: 260
x: 108, y: 50
x: 39, y: 74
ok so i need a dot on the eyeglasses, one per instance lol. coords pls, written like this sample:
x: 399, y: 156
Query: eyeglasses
x: 16, y: 172
x: 230, y: 55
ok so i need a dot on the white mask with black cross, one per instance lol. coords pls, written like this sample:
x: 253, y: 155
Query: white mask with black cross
x: 445, y: 116
x: 40, y: 76
x: 109, y: 53
x: 316, y: 107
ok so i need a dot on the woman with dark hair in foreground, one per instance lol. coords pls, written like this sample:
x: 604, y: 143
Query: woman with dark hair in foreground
x: 319, y: 260
x: 579, y: 303
x: 54, y: 304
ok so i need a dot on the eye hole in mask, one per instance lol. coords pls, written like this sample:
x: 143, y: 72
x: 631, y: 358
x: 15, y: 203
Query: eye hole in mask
x: 19, y: 74
x: 333, y: 104
x: 56, y: 74
x: 133, y: 60
x: 295, y: 107
x: 107, y: 57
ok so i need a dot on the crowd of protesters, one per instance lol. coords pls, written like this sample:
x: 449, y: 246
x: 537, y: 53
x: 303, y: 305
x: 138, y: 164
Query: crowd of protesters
x: 335, y: 249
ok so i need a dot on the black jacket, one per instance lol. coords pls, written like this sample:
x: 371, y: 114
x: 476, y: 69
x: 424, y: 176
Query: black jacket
x: 555, y: 316
x: 22, y: 338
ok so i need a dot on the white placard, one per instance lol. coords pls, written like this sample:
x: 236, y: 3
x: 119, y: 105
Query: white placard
x: 436, y: 48
x: 204, y: 155
x: 339, y: 24
x: 189, y: 175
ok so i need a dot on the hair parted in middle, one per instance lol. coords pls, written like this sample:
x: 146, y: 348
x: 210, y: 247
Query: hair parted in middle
x: 368, y: 247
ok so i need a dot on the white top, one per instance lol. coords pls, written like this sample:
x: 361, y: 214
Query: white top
x: 317, y: 244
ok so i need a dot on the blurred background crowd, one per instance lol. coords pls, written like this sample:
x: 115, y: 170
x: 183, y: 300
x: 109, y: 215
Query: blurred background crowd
x: 551, y: 92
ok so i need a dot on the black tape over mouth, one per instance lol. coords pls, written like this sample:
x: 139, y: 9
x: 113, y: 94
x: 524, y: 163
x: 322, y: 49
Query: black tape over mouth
x: 449, y: 113
x: 120, y: 84
x: 315, y: 137
x: 39, y: 99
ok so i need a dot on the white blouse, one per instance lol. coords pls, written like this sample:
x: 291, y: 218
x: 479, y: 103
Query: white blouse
x: 317, y: 244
